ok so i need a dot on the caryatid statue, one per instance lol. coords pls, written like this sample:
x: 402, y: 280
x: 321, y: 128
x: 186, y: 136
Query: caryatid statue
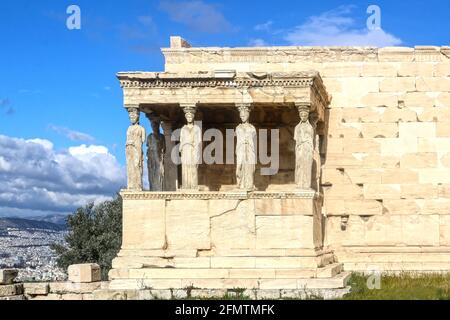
x: 191, y: 149
x: 156, y: 148
x: 134, y: 153
x: 245, y: 150
x: 304, y: 150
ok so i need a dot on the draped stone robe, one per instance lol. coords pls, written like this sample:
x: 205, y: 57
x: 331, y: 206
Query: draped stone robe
x: 304, y: 153
x: 156, y: 146
x: 135, y: 156
x: 245, y: 156
x: 190, y: 148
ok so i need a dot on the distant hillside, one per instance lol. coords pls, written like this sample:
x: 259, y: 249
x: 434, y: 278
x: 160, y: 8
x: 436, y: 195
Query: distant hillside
x: 30, y: 224
x: 53, y: 218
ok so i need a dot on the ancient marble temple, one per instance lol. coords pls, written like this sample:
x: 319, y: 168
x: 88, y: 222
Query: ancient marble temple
x: 334, y: 201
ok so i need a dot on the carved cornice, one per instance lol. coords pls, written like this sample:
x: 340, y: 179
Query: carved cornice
x: 248, y: 80
x: 146, y: 195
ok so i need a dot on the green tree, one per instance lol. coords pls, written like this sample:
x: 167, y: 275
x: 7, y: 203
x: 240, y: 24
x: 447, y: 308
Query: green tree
x: 95, y: 236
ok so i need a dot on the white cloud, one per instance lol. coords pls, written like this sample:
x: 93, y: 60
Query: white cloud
x: 37, y: 178
x: 197, y: 15
x: 45, y: 143
x: 337, y: 28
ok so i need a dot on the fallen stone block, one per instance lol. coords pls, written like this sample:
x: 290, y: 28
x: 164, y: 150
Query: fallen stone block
x: 84, y: 273
x: 7, y: 276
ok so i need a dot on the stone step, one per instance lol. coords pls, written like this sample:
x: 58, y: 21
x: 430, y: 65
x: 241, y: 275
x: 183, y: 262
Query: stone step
x: 330, y: 271
x: 430, y: 267
x: 336, y: 282
x: 175, y: 273
x: 223, y: 262
x: 189, y: 293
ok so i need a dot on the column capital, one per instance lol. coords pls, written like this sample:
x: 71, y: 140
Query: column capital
x: 244, y: 106
x: 188, y: 107
x: 132, y: 106
x: 303, y: 106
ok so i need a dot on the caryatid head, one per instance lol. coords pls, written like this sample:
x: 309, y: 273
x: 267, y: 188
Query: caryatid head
x: 155, y: 122
x: 189, y: 113
x: 244, y: 113
x: 303, y: 112
x: 133, y: 113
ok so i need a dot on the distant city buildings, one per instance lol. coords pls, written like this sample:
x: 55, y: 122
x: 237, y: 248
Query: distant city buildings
x: 29, y: 251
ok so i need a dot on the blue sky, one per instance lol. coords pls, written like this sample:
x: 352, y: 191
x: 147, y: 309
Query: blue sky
x: 59, y: 86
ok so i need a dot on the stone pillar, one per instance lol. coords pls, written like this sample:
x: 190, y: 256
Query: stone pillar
x: 134, y: 152
x: 190, y: 149
x: 170, y: 168
x: 156, y: 150
x: 245, y: 150
x: 317, y: 160
x: 304, y: 137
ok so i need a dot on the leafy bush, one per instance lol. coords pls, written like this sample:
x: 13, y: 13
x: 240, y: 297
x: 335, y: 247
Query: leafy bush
x: 95, y: 236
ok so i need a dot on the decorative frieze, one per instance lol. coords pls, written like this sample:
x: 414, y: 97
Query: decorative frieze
x: 237, y: 195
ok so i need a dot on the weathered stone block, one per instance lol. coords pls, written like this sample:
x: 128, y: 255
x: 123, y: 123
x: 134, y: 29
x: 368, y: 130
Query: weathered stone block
x: 399, y: 176
x: 36, y: 289
x: 383, y: 230
x: 361, y: 145
x: 441, y: 145
x: 377, y: 161
x: 417, y: 129
x: 428, y: 84
x: 401, y: 207
x: 144, y: 224
x: 11, y: 290
x: 341, y: 70
x: 396, y: 114
x: 196, y: 228
x: 371, y: 69
x: 406, y: 84
x: 396, y: 54
x: 363, y: 176
x: 443, y: 99
x: 284, y: 232
x: 381, y: 191
x: 435, y: 114
x: 380, y: 99
x: 420, y: 230
x: 394, y: 146
x: 419, y: 191
x: 417, y: 100
x: 84, y: 273
x: 365, y: 115
x: 414, y: 69
x: 435, y: 176
x: 435, y: 206
x: 347, y: 192
x: 444, y: 239
x: 442, y: 70
x: 233, y: 227
x: 419, y: 160
x: 443, y: 129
